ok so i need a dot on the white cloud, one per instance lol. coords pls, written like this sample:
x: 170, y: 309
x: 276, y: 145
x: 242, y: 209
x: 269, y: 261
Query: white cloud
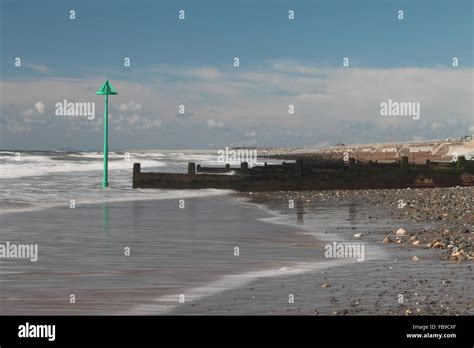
x: 205, y: 73
x: 291, y: 66
x: 40, y: 107
x: 28, y: 112
x: 149, y: 124
x: 133, y: 119
x: 202, y: 73
x: 326, y: 101
x: 211, y: 124
x: 20, y: 129
x: 37, y: 67
x: 130, y: 106
x: 251, y: 134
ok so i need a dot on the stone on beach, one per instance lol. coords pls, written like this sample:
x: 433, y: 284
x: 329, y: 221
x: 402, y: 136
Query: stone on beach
x: 437, y: 244
x: 401, y: 232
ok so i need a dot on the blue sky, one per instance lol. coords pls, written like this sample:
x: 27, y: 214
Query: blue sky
x: 189, y: 62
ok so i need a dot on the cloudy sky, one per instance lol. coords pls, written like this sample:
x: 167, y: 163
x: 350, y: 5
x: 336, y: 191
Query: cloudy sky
x: 190, y: 62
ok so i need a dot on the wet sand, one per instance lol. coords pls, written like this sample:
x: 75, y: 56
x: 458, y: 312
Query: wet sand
x: 397, y: 285
x: 190, y: 252
x: 172, y: 250
x: 371, y: 289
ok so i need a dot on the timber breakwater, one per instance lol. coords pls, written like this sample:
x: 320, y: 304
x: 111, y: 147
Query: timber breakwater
x: 314, y: 174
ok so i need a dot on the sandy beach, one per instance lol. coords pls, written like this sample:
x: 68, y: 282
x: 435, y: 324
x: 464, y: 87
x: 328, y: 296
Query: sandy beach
x: 281, y: 255
x: 173, y: 251
x: 434, y: 275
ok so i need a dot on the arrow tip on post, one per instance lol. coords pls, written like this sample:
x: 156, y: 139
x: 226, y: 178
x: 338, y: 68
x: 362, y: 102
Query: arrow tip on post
x: 107, y: 89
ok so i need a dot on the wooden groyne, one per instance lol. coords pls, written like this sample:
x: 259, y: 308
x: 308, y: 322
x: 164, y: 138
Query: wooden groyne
x: 313, y: 175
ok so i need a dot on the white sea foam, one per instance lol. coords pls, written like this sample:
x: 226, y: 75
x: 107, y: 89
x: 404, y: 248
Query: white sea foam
x: 122, y: 196
x: 38, y: 167
x: 206, y: 158
x: 46, y: 180
x: 168, y: 303
x: 25, y: 158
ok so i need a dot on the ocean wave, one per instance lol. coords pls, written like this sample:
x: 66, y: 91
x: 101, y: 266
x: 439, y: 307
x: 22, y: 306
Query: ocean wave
x: 44, y: 167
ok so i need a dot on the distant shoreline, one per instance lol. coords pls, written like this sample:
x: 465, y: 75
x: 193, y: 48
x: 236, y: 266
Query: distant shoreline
x: 270, y: 149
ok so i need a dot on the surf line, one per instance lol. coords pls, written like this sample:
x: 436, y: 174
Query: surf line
x: 168, y: 303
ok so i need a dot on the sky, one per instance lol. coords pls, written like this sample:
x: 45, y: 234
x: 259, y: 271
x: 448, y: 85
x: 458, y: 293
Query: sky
x: 190, y: 62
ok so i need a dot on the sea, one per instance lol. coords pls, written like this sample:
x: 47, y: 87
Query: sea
x: 146, y: 251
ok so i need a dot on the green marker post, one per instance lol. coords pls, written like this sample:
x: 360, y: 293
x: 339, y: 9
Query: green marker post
x: 106, y: 90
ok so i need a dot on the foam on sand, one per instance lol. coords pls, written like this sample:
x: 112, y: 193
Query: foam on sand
x: 124, y: 196
x: 168, y: 303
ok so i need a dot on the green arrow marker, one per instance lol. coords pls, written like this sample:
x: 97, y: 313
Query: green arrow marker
x: 106, y: 90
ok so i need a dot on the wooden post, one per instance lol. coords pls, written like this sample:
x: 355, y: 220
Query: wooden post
x: 136, y: 174
x: 137, y: 168
x: 299, y: 168
x: 461, y: 162
x: 404, y: 163
x: 191, y: 168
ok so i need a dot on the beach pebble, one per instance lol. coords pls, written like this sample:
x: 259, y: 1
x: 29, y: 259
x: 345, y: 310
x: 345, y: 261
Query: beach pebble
x: 358, y: 235
x: 401, y: 232
x: 387, y: 240
x: 415, y: 258
x: 457, y: 254
x: 416, y: 242
x: 437, y: 244
x: 326, y: 285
